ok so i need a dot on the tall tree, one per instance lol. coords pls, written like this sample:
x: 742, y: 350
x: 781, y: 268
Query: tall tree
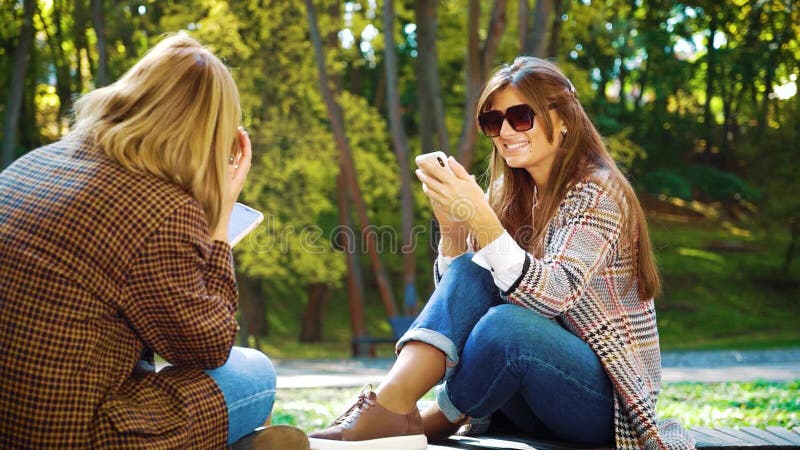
x: 56, y: 38
x: 536, y: 43
x: 80, y: 20
x: 15, y: 89
x: 335, y: 117
x: 555, y: 30
x: 431, y: 104
x: 402, y: 152
x: 102, y: 76
x: 480, y: 56
x: 355, y: 284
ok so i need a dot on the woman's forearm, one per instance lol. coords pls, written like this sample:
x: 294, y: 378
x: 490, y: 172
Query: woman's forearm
x: 484, y: 226
x: 453, y: 239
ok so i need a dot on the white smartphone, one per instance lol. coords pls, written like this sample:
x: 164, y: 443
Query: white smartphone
x: 438, y: 156
x: 243, y: 220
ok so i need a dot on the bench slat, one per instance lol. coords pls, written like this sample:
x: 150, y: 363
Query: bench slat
x: 794, y: 438
x: 722, y: 439
x: 706, y: 438
x: 703, y: 440
x: 745, y: 437
x: 509, y: 442
x: 766, y: 435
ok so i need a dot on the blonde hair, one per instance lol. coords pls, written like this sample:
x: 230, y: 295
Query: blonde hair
x: 174, y: 115
x: 582, y: 154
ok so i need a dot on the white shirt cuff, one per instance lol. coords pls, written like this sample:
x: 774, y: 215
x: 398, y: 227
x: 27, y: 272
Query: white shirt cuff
x: 443, y: 262
x: 504, y: 258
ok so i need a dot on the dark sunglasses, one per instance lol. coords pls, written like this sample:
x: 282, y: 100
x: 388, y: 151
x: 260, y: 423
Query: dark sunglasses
x: 520, y: 117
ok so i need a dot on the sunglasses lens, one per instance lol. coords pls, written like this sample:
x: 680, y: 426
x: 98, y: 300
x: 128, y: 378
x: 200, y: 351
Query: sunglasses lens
x: 491, y: 122
x: 520, y: 117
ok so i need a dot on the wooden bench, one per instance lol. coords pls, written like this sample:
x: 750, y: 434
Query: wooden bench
x: 706, y: 438
x: 369, y: 342
x: 398, y: 324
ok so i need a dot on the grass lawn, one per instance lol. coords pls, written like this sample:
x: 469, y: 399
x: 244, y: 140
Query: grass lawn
x: 708, y: 404
x: 724, y: 288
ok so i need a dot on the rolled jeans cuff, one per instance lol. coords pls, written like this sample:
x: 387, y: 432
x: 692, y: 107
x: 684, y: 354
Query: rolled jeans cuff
x: 446, y: 405
x: 435, y: 339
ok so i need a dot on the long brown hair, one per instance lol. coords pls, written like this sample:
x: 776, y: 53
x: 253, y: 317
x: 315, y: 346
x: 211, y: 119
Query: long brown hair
x: 174, y: 115
x: 582, y: 154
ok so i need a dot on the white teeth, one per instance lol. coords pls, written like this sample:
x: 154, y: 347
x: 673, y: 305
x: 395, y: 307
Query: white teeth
x: 516, y: 145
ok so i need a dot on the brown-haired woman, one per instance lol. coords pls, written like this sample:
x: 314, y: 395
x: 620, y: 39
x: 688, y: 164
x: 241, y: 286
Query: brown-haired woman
x: 543, y: 314
x: 114, y: 246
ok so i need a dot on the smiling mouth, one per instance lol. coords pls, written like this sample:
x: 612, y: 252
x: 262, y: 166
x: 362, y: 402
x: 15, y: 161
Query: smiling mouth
x: 516, y: 146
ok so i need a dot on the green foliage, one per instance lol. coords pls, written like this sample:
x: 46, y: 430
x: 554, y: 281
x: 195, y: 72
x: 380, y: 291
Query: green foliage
x: 716, y: 185
x: 704, y: 183
x: 666, y: 182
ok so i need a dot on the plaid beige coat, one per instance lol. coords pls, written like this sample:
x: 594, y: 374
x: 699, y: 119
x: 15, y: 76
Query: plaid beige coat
x: 99, y: 267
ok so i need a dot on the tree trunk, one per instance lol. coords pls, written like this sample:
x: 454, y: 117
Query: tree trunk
x: 252, y: 314
x: 61, y: 63
x: 710, y: 73
x: 763, y: 110
x: 80, y: 21
x: 522, y: 25
x: 311, y: 327
x: 555, y: 29
x: 355, y: 285
x: 497, y: 26
x: 431, y: 106
x: 15, y: 87
x: 334, y: 114
x: 790, y: 251
x: 99, y: 24
x: 479, y: 59
x: 536, y: 42
x: 402, y: 152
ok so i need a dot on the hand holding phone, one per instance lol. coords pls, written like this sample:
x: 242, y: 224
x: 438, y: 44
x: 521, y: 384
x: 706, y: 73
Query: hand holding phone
x: 437, y: 158
x: 243, y: 220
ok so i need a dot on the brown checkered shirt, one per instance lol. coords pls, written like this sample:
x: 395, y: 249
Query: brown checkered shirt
x: 99, y: 267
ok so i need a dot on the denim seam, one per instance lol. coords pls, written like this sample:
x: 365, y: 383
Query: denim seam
x: 250, y: 398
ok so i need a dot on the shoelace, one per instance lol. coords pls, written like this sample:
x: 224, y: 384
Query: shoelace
x: 362, y: 404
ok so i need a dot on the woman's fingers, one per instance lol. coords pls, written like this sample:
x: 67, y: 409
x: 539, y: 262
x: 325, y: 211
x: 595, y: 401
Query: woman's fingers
x: 246, y: 156
x: 459, y: 170
x: 244, y: 160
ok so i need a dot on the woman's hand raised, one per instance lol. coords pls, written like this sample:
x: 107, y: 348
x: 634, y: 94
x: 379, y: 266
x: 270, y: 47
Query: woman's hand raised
x: 238, y: 168
x: 459, y: 203
x: 456, y: 197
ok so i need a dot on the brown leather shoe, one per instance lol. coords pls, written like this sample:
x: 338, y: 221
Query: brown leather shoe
x: 273, y: 437
x: 368, y: 426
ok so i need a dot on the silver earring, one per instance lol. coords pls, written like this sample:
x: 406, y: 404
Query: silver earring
x: 563, y: 131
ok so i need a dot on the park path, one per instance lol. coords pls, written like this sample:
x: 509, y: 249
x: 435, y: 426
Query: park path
x: 701, y: 366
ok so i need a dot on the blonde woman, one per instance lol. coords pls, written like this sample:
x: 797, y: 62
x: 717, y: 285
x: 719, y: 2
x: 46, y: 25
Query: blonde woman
x: 543, y: 315
x: 113, y: 242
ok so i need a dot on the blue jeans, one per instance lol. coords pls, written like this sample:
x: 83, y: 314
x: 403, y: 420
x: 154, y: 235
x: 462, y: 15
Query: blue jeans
x: 247, y: 380
x: 502, y: 358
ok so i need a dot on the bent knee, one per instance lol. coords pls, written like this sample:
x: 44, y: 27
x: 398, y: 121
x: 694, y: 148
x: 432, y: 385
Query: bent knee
x: 465, y: 267
x: 253, y: 366
x: 507, y: 323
